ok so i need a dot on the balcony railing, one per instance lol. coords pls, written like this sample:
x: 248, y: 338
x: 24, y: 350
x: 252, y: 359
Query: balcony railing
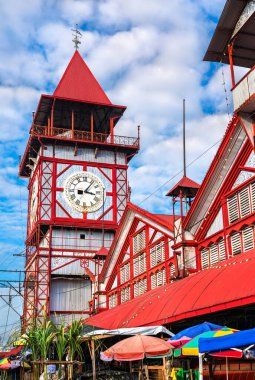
x: 244, y: 91
x: 86, y: 136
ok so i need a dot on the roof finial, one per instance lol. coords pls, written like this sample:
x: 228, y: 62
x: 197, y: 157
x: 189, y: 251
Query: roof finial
x: 77, y: 36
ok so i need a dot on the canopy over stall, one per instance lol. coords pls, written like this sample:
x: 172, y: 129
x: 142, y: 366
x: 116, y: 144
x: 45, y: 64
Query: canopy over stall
x: 147, y: 330
x: 239, y: 339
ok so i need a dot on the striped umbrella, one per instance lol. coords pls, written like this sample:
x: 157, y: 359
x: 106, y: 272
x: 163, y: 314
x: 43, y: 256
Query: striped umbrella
x: 191, y: 348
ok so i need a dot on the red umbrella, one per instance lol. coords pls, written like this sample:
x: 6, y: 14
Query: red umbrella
x: 136, y: 348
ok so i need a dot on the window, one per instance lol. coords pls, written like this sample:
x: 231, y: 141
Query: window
x: 112, y: 300
x: 158, y: 278
x: 253, y: 196
x: 139, y: 241
x: 125, y: 294
x: 139, y: 264
x: 214, y: 257
x: 157, y: 253
x: 204, y: 258
x: 233, y: 209
x: 125, y: 273
x: 140, y: 287
x: 222, y: 250
x: 213, y: 254
x: 82, y: 236
x: 172, y: 270
x: 244, y: 200
x: 242, y: 203
x: 248, y: 238
x: 236, y: 243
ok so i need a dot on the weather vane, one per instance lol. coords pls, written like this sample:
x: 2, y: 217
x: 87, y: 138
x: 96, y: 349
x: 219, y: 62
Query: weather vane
x: 77, y: 36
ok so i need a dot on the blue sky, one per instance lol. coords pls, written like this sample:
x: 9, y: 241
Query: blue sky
x: 146, y: 54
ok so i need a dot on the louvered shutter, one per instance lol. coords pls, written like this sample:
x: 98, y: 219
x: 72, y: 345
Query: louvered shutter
x: 114, y: 300
x: 153, y: 281
x: 136, y: 268
x: 248, y: 238
x: 164, y: 276
x: 244, y: 201
x: 145, y: 284
x: 122, y: 295
x: 172, y: 269
x: 153, y: 256
x: 159, y: 278
x: 142, y: 263
x: 122, y: 275
x: 136, y: 289
x: 233, y: 209
x: 110, y: 302
x: 214, y: 257
x: 139, y: 241
x: 158, y: 253
x: 222, y: 251
x: 236, y: 243
x: 253, y: 196
x: 204, y: 258
x: 163, y: 251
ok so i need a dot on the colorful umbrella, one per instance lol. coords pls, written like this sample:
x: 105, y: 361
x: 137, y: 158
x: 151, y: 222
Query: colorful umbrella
x: 191, y: 348
x: 136, y: 348
x: 179, y: 342
x: 4, y: 364
x: 193, y: 331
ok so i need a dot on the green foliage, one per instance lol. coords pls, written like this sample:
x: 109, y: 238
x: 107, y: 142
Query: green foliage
x: 74, y: 340
x: 61, y: 341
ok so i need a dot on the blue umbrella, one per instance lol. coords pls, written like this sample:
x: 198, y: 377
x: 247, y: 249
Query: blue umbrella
x: 193, y: 331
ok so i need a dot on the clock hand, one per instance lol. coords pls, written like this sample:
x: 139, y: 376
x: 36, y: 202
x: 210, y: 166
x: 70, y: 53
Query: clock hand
x: 88, y: 192
x: 89, y: 185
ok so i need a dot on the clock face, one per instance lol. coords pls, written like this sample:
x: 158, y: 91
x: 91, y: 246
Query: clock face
x: 84, y: 192
x: 34, y: 201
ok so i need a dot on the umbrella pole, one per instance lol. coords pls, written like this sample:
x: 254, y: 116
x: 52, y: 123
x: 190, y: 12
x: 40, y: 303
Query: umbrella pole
x: 226, y: 368
x: 93, y: 359
x: 200, y: 362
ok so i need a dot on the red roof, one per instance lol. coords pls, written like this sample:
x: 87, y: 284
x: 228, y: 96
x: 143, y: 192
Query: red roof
x: 78, y: 83
x: 168, y: 220
x: 185, y: 183
x: 198, y: 294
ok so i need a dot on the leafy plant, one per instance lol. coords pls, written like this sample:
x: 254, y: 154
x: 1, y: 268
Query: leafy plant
x: 74, y: 343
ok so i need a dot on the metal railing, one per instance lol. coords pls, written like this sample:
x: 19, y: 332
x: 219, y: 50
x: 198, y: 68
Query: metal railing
x: 244, y: 89
x: 102, y: 138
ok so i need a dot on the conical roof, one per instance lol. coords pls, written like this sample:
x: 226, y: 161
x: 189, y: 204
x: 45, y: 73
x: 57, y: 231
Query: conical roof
x: 78, y: 83
x: 187, y: 185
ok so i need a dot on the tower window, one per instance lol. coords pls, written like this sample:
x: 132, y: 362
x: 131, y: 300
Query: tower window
x: 82, y: 236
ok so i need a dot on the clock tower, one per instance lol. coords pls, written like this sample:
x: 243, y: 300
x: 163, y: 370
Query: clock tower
x: 78, y: 190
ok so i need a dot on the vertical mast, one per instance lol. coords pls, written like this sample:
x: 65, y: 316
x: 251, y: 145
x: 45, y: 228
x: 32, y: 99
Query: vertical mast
x: 184, y: 146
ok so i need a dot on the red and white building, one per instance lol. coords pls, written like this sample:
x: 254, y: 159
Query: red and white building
x: 91, y: 251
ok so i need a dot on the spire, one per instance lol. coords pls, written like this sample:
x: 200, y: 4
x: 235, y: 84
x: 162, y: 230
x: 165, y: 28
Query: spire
x: 78, y: 83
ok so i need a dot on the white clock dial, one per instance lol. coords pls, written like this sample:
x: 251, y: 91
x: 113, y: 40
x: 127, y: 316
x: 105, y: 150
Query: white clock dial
x: 84, y: 192
x: 34, y: 201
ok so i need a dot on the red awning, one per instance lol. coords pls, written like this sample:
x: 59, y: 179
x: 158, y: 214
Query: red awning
x: 226, y: 285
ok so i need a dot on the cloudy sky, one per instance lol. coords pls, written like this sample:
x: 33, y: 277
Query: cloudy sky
x: 147, y: 55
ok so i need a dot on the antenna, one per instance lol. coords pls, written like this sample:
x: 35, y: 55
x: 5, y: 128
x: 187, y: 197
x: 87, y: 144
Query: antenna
x: 76, y: 37
x: 184, y: 142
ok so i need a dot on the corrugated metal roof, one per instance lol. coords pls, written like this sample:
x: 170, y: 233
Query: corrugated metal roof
x: 223, y: 286
x: 188, y: 185
x: 79, y: 83
x: 244, y: 45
